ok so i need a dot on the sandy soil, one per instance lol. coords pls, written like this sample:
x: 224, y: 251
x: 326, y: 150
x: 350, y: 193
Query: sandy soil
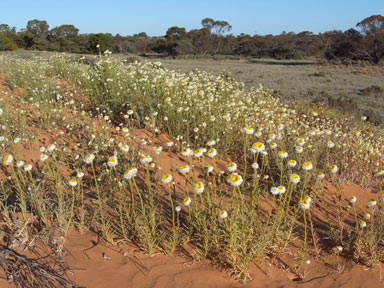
x: 94, y: 263
x: 97, y: 265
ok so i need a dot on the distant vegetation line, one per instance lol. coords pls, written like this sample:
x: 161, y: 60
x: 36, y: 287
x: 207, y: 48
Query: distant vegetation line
x: 366, y: 43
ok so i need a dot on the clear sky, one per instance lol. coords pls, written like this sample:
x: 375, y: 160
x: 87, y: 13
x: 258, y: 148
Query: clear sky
x: 156, y: 16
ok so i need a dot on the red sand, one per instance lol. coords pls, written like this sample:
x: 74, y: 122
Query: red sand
x: 106, y: 266
x: 95, y: 264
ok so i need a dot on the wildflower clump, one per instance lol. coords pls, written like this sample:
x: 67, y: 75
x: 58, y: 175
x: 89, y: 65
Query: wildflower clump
x: 163, y: 158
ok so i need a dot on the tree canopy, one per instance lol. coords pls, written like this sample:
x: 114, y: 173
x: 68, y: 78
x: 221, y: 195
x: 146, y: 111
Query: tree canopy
x: 366, y: 42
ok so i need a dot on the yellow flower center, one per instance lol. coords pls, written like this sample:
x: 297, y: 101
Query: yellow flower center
x: 259, y: 145
x: 235, y: 178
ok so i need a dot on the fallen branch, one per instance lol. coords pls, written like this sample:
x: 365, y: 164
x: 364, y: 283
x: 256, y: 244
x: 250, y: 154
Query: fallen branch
x: 32, y: 272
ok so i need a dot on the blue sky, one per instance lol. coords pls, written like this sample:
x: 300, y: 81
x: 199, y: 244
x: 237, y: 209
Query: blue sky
x: 155, y: 17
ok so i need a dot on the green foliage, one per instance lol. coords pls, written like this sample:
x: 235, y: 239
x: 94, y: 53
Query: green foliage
x: 184, y: 47
x: 2, y: 44
x: 372, y: 25
x: 65, y: 37
x: 101, y: 42
x: 141, y: 34
x: 8, y: 31
x: 175, y: 33
x: 175, y: 43
x: 164, y: 47
x: 6, y: 44
x: 36, y: 35
x: 219, y: 27
x: 373, y: 46
x: 365, y: 44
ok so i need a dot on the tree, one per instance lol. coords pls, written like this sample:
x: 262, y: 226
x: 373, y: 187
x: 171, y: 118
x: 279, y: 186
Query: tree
x: 207, y: 23
x: 202, y: 41
x: 141, y: 34
x: 124, y: 45
x: 283, y: 47
x: 8, y: 31
x: 142, y: 44
x: 164, y: 47
x: 245, y: 45
x: 6, y: 44
x: 344, y: 45
x: 83, y: 42
x: 372, y: 25
x: 175, y: 33
x: 373, y: 44
x: 38, y: 27
x: 219, y: 29
x: 36, y: 34
x: 65, y: 31
x: 101, y: 42
x: 174, y: 43
x: 66, y: 37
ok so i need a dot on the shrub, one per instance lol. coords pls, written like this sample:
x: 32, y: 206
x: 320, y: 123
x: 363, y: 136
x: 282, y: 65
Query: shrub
x: 6, y: 44
x: 373, y: 91
x: 318, y: 74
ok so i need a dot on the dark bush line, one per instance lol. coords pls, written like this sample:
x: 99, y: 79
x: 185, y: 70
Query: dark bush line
x: 364, y: 44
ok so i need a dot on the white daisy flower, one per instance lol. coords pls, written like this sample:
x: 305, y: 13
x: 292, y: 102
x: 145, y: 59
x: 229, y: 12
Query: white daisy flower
x: 235, y: 180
